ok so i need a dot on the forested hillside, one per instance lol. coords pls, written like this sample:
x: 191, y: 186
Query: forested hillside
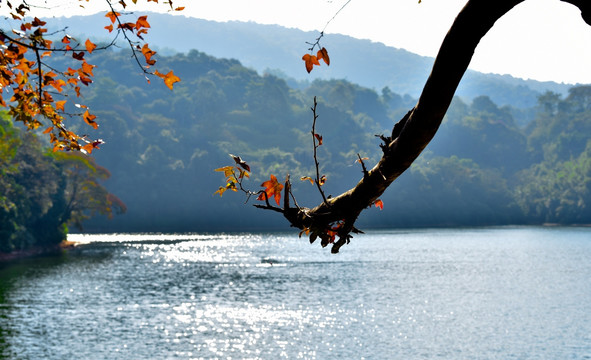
x: 481, y: 169
x: 279, y: 49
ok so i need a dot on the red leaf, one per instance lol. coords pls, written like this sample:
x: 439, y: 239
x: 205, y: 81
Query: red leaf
x: 319, y: 138
x: 78, y: 56
x: 272, y: 189
x: 379, y: 204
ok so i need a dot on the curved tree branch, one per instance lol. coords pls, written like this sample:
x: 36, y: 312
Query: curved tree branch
x: 412, y: 134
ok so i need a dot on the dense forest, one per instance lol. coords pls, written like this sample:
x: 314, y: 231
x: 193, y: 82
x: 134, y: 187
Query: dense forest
x: 41, y: 192
x: 483, y: 167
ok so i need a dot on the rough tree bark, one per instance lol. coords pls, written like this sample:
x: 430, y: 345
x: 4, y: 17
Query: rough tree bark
x: 411, y: 134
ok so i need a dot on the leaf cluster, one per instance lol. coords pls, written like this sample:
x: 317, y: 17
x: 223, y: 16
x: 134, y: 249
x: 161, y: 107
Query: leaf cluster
x: 37, y: 94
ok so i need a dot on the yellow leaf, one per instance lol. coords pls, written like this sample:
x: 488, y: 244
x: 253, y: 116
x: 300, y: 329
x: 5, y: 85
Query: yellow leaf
x: 227, y: 170
x: 304, y: 178
x: 220, y: 191
x: 169, y: 79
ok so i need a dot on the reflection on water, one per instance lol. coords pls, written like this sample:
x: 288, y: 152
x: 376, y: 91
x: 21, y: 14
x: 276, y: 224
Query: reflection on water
x: 508, y: 293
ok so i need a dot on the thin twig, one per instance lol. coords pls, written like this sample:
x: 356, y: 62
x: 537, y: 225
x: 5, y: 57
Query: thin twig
x: 334, y: 16
x: 317, y: 180
x: 365, y: 173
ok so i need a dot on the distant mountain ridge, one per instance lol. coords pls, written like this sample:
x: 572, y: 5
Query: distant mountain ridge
x: 279, y: 49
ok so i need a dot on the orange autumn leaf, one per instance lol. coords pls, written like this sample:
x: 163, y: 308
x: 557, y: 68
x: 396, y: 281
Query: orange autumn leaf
x: 142, y: 22
x: 310, y: 61
x: 90, y: 46
x: 169, y: 79
x: 272, y: 189
x: 113, y: 16
x: 322, y: 180
x: 87, y: 68
x: 323, y: 54
x: 89, y: 119
x: 148, y: 53
x: 88, y: 148
x: 59, y: 105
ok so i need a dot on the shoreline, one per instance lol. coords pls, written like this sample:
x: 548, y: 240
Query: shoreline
x: 36, y: 251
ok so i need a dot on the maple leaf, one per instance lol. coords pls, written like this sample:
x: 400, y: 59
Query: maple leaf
x: 323, y: 54
x: 322, y: 180
x: 148, y: 53
x: 272, y: 189
x: 310, y: 61
x: 227, y: 170
x: 89, y: 119
x: 379, y: 204
x: 90, y: 46
x: 169, y: 79
x: 59, y: 105
x: 141, y: 22
x: 78, y: 56
x: 37, y: 22
x: 113, y: 16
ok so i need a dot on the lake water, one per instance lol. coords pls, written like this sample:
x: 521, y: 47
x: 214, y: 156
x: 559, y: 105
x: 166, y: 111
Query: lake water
x: 502, y: 293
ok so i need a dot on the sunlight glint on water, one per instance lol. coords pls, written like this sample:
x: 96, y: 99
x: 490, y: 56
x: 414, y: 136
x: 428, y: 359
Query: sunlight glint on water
x: 508, y: 293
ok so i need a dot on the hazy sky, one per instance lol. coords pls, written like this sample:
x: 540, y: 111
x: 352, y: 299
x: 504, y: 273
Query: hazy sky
x: 539, y: 39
